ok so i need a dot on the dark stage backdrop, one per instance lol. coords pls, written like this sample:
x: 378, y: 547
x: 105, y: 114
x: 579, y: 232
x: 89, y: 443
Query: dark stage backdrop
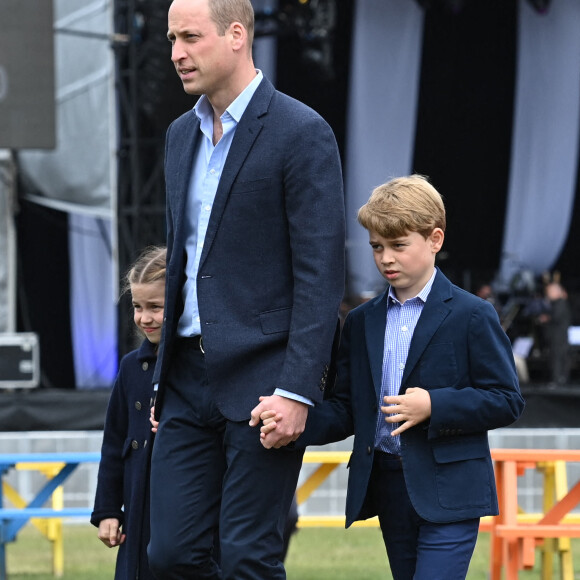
x: 464, y: 122
x: 462, y: 141
x: 464, y: 125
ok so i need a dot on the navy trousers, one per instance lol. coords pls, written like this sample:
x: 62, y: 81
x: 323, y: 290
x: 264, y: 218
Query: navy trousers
x: 210, y: 475
x: 417, y: 549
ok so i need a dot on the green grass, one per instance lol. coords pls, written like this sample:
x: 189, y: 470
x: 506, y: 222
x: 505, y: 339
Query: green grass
x: 315, y: 554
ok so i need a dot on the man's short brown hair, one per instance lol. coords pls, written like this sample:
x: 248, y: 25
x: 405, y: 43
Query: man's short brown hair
x: 224, y: 12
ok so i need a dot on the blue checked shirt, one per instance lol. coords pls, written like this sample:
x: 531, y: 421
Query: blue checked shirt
x: 401, y: 322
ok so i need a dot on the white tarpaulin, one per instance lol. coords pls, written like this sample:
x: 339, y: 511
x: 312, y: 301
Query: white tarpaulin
x: 79, y: 175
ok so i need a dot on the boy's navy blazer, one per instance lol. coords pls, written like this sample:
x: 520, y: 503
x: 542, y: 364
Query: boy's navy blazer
x: 461, y: 355
x: 271, y: 274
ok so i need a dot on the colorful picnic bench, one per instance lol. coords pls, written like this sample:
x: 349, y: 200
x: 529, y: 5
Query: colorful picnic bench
x: 56, y: 467
x: 514, y: 535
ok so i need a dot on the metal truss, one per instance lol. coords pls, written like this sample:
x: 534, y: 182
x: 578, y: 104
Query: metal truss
x: 141, y: 189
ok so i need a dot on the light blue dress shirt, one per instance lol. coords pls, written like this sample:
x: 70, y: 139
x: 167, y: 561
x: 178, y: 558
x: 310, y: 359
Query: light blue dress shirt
x: 207, y: 170
x: 401, y: 322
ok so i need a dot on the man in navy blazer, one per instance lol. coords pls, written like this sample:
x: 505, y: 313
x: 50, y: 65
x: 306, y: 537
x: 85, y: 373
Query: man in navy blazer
x: 424, y: 371
x: 255, y: 275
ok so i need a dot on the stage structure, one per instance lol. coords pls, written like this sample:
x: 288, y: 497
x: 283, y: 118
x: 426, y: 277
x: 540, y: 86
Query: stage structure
x: 149, y: 97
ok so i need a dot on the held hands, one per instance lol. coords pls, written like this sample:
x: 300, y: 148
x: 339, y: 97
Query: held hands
x: 409, y: 409
x: 110, y: 532
x: 286, y: 419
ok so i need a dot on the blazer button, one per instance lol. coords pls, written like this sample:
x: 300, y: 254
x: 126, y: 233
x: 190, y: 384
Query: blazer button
x: 134, y: 444
x: 369, y: 450
x: 145, y: 366
x: 138, y: 405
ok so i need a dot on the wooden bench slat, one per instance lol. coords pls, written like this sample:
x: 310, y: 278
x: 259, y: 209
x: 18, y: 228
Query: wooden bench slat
x: 26, y: 513
x: 538, y: 531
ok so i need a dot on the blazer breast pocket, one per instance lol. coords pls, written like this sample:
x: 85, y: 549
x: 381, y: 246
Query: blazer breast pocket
x: 249, y: 187
x: 438, y: 366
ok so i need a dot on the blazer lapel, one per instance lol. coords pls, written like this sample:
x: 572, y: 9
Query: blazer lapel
x: 186, y: 160
x: 375, y: 324
x: 247, y: 132
x: 435, y: 311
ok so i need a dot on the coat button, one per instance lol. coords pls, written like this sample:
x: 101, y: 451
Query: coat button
x: 369, y: 450
x: 138, y: 405
x: 145, y: 366
x: 134, y: 444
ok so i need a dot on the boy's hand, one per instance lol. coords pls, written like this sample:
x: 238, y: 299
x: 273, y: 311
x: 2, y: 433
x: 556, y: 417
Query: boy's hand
x: 409, y: 409
x: 289, y: 427
x: 270, y: 420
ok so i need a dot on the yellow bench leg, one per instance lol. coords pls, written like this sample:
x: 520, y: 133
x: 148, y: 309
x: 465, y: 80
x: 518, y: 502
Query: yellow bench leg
x: 555, y: 488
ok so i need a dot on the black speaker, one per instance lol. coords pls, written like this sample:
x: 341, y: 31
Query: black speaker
x: 27, y: 100
x: 19, y: 360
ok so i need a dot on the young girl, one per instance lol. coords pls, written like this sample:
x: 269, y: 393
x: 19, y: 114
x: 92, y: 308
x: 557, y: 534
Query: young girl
x: 121, y: 510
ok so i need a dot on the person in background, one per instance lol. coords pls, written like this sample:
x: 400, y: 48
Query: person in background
x: 485, y: 292
x: 121, y: 509
x: 424, y: 371
x: 255, y: 276
x: 556, y: 322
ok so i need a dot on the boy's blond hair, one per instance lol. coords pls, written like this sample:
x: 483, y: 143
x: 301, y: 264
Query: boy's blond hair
x: 403, y: 205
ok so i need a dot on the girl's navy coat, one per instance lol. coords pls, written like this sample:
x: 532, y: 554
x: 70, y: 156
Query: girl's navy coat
x: 123, y: 481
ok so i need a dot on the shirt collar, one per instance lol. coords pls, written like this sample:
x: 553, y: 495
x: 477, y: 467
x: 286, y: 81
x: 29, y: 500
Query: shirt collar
x: 421, y: 296
x: 236, y: 109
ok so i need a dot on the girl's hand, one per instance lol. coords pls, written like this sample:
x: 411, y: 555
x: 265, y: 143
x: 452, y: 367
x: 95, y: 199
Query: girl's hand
x: 110, y: 532
x: 153, y: 421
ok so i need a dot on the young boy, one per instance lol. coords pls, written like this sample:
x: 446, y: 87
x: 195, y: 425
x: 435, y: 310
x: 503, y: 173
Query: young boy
x: 424, y: 371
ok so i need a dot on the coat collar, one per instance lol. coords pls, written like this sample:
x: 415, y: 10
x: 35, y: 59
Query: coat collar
x: 188, y: 145
x: 375, y: 324
x: 436, y: 309
x: 147, y: 351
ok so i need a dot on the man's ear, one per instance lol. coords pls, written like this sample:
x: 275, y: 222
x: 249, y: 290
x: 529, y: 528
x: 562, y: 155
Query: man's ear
x: 238, y: 35
x: 436, y: 237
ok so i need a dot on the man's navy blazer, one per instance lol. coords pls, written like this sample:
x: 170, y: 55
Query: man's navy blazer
x: 271, y: 275
x: 461, y: 355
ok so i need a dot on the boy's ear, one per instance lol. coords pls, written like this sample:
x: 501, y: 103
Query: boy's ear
x: 436, y: 237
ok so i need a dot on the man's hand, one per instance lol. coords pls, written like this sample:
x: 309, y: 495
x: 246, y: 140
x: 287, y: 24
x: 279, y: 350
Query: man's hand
x: 409, y: 409
x: 110, y: 532
x: 289, y: 420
